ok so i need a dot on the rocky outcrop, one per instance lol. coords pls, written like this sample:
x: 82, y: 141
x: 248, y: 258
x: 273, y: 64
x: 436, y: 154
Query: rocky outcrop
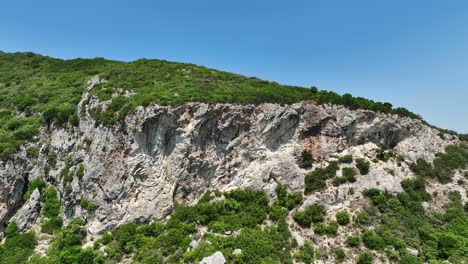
x: 29, y: 212
x: 163, y: 154
x: 216, y: 258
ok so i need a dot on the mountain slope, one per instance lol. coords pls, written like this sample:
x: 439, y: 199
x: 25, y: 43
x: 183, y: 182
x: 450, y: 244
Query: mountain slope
x: 91, y: 153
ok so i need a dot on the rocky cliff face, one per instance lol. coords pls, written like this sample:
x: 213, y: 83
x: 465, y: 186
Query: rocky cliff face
x: 168, y: 154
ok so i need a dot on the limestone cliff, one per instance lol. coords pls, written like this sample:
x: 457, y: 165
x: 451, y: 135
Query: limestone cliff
x: 161, y: 155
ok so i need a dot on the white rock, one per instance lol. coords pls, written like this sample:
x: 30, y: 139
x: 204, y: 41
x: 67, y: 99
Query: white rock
x: 413, y: 252
x: 216, y: 258
x: 28, y: 214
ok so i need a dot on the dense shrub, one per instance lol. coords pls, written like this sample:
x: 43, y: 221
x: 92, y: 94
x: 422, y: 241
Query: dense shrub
x: 346, y: 159
x: 353, y: 241
x: 363, y: 218
x: 51, y: 225
x: 18, y: 248
x: 51, y: 211
x: 306, y: 159
x: 365, y: 258
x: 32, y: 185
x: 445, y: 165
x: 422, y: 168
x: 79, y: 171
x: 363, y: 166
x: 52, y: 203
x: 373, y: 241
x: 88, y: 204
x: 349, y: 174
x: 316, y: 180
x: 340, y: 254
x: 11, y: 229
x: 305, y: 254
x: 285, y: 199
x: 312, y: 214
x: 342, y: 217
x: 324, y: 229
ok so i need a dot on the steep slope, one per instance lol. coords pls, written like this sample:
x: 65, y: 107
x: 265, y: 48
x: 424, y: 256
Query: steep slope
x: 115, y: 159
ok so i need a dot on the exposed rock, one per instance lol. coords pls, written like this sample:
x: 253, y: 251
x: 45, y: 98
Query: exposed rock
x: 413, y: 252
x: 178, y: 153
x: 193, y: 245
x: 29, y: 212
x: 216, y: 258
x: 237, y: 251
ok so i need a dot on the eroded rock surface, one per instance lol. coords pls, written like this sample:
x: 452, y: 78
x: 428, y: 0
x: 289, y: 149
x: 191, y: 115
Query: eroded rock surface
x: 163, y: 154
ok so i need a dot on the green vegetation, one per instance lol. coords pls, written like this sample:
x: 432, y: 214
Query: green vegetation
x: 363, y: 166
x: 305, y: 254
x: 373, y: 241
x: 47, y: 91
x: 88, y: 204
x: 445, y: 164
x: 312, y: 214
x: 156, y: 242
x: 306, y: 159
x: 79, y: 171
x: 401, y: 221
x: 316, y: 180
x: 342, y: 217
x: 243, y: 219
x: 11, y: 229
x: 51, y: 211
x: 285, y: 199
x: 349, y: 175
x: 365, y: 258
x: 353, y: 241
x: 346, y: 159
x: 17, y: 247
x: 32, y: 185
x: 65, y: 173
x: 323, y: 229
x: 340, y: 254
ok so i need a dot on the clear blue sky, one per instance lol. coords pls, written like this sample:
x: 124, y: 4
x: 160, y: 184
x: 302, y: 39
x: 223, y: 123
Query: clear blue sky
x: 412, y: 53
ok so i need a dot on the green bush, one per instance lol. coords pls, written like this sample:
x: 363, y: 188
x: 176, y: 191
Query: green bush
x: 445, y: 165
x: 11, y: 229
x: 346, y: 159
x: 316, y: 180
x: 306, y: 159
x: 373, y: 241
x: 79, y: 171
x: 365, y: 258
x: 312, y: 214
x: 305, y: 254
x: 52, y: 203
x: 330, y: 229
x: 340, y: 254
x: 32, y: 185
x: 363, y: 166
x: 88, y: 205
x: 349, y: 174
x: 342, y: 217
x: 52, y: 225
x: 353, y: 241
x: 18, y: 248
x: 363, y: 218
x: 422, y: 168
x: 285, y: 199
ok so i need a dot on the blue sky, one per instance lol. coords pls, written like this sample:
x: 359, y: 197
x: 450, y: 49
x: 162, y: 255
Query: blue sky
x: 410, y: 53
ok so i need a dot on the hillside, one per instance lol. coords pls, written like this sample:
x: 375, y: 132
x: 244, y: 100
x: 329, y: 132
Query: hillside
x: 44, y: 90
x: 161, y: 162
